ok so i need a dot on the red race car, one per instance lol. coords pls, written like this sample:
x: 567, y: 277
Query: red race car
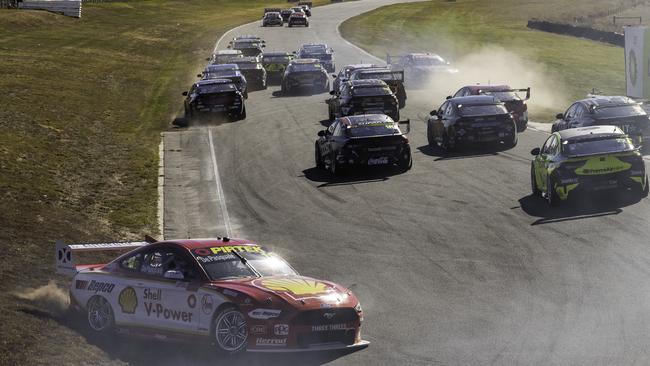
x: 233, y: 292
x: 513, y: 102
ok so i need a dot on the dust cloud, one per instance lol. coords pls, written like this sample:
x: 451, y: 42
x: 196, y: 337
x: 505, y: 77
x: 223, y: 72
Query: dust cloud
x: 494, y: 66
x: 49, y: 297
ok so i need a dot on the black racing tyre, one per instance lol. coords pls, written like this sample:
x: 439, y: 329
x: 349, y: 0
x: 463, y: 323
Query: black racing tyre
x: 318, y: 159
x: 289, y: 25
x: 100, y: 315
x: 430, y: 137
x: 551, y: 196
x: 239, y: 116
x: 533, y: 183
x: 643, y: 192
x: 406, y: 164
x: 230, y: 331
x: 446, y: 144
x: 335, y: 169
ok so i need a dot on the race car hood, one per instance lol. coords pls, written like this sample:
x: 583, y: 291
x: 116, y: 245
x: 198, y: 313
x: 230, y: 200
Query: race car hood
x: 301, y: 293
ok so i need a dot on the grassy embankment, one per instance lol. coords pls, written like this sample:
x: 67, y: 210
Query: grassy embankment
x: 84, y: 101
x: 458, y: 29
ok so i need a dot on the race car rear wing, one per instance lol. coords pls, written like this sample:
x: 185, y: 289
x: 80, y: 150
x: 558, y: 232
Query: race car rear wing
x: 527, y: 90
x: 66, y: 261
x: 394, y: 59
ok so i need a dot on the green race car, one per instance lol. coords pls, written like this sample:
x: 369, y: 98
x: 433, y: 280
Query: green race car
x: 587, y: 159
x: 275, y: 63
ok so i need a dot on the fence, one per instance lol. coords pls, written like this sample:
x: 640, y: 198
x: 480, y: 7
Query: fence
x: 70, y: 8
x: 614, y: 38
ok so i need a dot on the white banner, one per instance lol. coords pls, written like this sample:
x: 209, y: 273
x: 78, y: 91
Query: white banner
x: 636, y: 62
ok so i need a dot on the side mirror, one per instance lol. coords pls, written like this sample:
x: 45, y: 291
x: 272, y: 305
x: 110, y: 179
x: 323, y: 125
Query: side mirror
x: 334, y: 76
x: 263, y: 45
x: 174, y: 275
x: 433, y: 113
x: 184, y: 93
x: 332, y: 92
x: 321, y: 133
x: 199, y: 75
x: 535, y: 151
x: 207, y: 58
x: 448, y: 97
x: 408, y: 125
x: 559, y: 116
x: 229, y: 46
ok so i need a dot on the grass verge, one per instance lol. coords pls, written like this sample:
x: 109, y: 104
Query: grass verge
x: 84, y: 102
x: 565, y: 68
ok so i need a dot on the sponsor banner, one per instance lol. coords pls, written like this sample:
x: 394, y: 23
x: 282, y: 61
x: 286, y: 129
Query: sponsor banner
x: 228, y: 249
x: 258, y: 329
x: 161, y: 312
x: 281, y: 329
x: 264, y: 313
x: 207, y: 304
x: 637, y: 61
x: 128, y: 300
x: 274, y: 342
x: 329, y: 327
x: 152, y: 295
x: 95, y: 286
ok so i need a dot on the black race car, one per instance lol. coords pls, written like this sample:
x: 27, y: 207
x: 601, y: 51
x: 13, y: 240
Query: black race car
x: 298, y: 18
x: 587, y: 159
x: 224, y: 56
x: 619, y: 111
x: 362, y: 141
x: 471, y: 120
x: 318, y: 51
x: 363, y: 97
x: 394, y: 79
x: 305, y: 73
x: 285, y: 14
x: 345, y: 72
x: 214, y: 96
x: 275, y: 63
x: 227, y: 71
x: 272, y: 18
x: 514, y: 103
x: 248, y: 47
x: 254, y: 72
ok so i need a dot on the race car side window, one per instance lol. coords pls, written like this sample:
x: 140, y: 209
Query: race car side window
x: 571, y: 112
x: 553, y: 147
x: 332, y: 127
x: 443, y: 109
x: 547, y: 144
x: 338, y: 130
x: 158, y: 261
x: 132, y: 263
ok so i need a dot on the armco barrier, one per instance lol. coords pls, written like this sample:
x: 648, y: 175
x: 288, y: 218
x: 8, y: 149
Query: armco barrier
x: 70, y: 8
x: 617, y: 39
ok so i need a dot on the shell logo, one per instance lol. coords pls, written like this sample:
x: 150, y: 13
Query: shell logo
x: 128, y: 300
x: 296, y: 286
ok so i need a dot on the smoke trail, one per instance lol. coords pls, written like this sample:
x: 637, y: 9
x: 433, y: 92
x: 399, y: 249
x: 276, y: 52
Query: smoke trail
x: 49, y: 297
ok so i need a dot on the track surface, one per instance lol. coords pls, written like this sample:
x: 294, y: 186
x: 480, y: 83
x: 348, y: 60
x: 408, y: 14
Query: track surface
x: 453, y: 262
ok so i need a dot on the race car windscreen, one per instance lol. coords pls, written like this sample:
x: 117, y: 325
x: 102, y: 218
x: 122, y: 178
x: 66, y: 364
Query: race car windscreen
x: 373, y: 129
x: 481, y: 109
x: 216, y: 88
x: 246, y: 44
x: 429, y: 61
x: 277, y: 59
x: 629, y: 110
x: 368, y: 91
x: 597, y: 146
x: 221, y: 263
x: 380, y: 76
x: 320, y: 56
x: 305, y: 67
x: 249, y: 66
x: 503, y: 95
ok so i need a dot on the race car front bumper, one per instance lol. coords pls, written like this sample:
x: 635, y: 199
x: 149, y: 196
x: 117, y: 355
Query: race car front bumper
x: 463, y: 136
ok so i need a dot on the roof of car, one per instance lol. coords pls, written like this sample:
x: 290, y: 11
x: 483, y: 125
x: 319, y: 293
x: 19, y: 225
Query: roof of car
x: 208, y: 243
x: 476, y: 99
x: 213, y: 82
x: 305, y: 61
x: 220, y: 67
x: 367, y: 83
x: 359, y: 66
x: 249, y: 59
x: 370, y: 70
x: 591, y: 131
x: 227, y: 52
x: 493, y: 88
x: 365, y: 118
x: 277, y: 54
x: 227, y: 73
x: 607, y: 101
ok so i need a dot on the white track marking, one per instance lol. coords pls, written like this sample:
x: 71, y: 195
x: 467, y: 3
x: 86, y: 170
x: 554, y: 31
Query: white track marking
x: 217, y: 181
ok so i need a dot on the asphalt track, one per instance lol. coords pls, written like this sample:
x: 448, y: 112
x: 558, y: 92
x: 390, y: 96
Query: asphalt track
x: 454, y: 262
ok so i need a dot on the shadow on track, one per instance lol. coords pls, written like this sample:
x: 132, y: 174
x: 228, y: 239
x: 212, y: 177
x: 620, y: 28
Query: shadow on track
x: 181, y: 122
x: 357, y: 176
x: 441, y: 155
x: 580, y: 207
x: 300, y: 92
x: 139, y: 351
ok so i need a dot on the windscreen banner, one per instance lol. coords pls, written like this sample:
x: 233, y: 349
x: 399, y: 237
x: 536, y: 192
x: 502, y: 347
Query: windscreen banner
x: 637, y: 61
